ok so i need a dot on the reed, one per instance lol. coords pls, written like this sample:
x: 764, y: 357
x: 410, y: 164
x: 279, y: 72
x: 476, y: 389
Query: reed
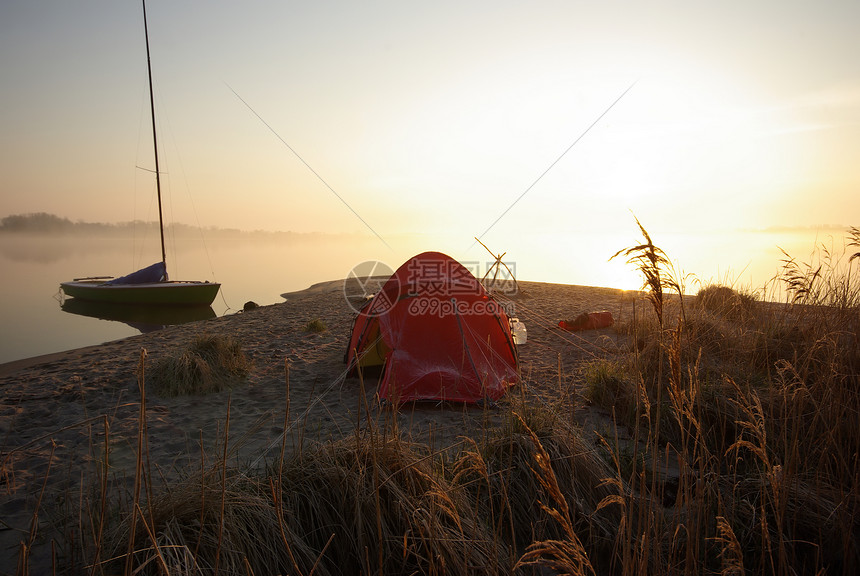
x: 653, y: 264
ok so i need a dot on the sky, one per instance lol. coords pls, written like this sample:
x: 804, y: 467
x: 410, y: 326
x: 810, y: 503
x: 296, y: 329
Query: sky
x: 541, y: 127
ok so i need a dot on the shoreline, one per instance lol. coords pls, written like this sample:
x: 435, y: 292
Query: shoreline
x: 13, y: 366
x: 318, y: 288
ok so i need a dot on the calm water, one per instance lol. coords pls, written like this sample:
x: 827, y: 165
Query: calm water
x: 33, y: 322
x: 261, y: 267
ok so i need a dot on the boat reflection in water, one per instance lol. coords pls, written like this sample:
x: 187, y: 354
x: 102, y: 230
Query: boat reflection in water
x: 145, y: 318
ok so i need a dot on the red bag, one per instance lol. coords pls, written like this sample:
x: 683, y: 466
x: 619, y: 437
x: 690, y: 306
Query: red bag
x: 588, y: 321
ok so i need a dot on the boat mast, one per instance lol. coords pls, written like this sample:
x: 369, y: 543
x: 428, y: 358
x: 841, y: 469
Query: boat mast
x: 154, y: 139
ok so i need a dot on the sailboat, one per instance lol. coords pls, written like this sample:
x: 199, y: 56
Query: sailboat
x: 150, y: 285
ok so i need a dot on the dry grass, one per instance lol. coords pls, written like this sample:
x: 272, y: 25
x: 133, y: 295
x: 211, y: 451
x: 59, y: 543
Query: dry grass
x: 726, y: 302
x: 608, y: 383
x: 351, y: 507
x: 521, y: 477
x: 315, y: 326
x: 210, y: 364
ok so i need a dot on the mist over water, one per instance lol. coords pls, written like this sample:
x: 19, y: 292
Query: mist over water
x: 250, y: 267
x: 260, y: 267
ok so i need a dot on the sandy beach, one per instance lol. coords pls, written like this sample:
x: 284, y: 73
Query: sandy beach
x: 56, y: 409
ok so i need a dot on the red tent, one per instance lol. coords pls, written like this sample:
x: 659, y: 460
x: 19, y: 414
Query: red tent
x: 436, y: 333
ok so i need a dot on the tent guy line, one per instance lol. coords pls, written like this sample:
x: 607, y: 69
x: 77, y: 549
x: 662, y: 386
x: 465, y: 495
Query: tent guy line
x: 308, y: 166
x: 551, y: 166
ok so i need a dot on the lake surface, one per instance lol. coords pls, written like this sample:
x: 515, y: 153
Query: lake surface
x: 248, y: 267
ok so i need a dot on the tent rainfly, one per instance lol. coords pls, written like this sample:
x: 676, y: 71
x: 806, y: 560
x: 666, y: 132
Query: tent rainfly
x: 436, y: 334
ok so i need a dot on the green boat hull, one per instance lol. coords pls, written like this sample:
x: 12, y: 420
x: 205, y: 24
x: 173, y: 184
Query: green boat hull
x: 151, y: 293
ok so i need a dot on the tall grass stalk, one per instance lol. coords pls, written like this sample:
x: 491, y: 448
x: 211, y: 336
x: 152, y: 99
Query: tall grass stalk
x: 138, y: 471
x: 658, y: 275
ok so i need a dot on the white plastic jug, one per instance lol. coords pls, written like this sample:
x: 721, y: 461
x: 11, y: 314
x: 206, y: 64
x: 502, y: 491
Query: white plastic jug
x: 518, y: 331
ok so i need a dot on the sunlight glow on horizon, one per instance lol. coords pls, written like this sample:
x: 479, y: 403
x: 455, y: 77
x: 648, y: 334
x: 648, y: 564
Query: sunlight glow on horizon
x: 432, y: 120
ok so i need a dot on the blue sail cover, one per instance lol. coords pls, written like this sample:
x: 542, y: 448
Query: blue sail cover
x: 154, y: 273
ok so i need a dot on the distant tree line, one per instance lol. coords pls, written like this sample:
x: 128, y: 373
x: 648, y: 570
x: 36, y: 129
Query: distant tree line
x: 44, y: 223
x: 38, y: 222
